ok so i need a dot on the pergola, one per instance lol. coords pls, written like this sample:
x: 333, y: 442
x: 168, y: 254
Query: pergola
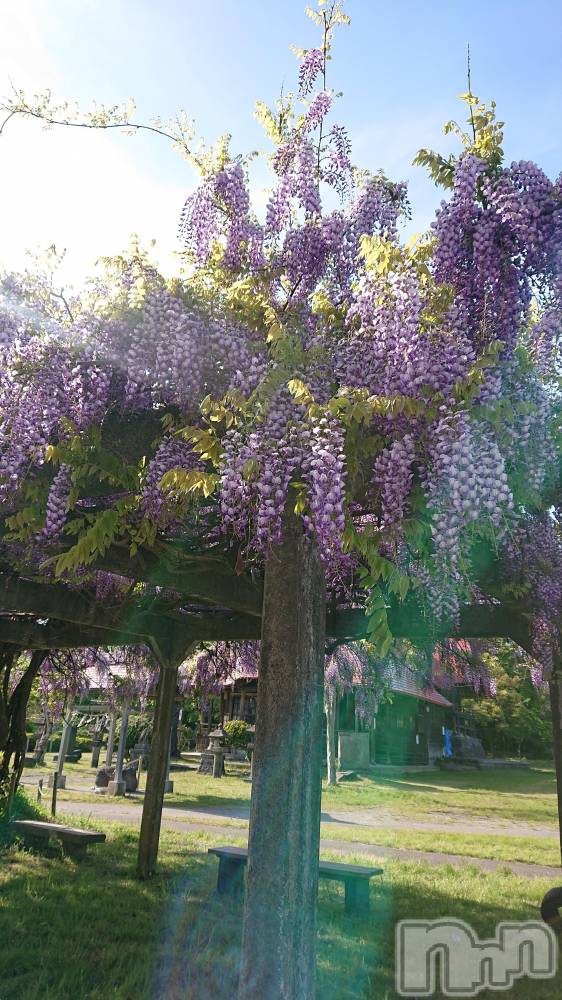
x: 287, y: 613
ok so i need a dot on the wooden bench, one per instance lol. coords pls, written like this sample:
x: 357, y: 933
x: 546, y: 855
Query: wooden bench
x: 74, y: 841
x: 356, y: 878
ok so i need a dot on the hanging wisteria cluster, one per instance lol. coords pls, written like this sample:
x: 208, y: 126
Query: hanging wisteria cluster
x: 125, y: 674
x: 350, y: 667
x: 461, y: 662
x: 532, y: 564
x: 401, y: 398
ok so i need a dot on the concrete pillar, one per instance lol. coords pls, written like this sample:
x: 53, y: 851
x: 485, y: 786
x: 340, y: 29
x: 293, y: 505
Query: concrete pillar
x: 96, y: 750
x: 117, y: 786
x: 110, y: 739
x: 63, y: 748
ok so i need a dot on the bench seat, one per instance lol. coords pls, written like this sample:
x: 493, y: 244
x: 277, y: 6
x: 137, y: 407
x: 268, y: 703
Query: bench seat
x: 74, y: 840
x: 356, y: 878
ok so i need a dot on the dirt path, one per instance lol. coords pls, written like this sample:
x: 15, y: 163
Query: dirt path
x: 376, y: 818
x: 186, y: 820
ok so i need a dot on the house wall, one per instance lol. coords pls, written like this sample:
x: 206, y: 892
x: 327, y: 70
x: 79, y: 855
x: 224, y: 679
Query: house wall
x: 240, y: 701
x: 407, y: 730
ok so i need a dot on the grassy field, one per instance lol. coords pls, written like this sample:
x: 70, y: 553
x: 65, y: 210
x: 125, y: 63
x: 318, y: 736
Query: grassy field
x: 524, y: 796
x: 91, y: 931
x: 500, y: 794
x: 530, y: 850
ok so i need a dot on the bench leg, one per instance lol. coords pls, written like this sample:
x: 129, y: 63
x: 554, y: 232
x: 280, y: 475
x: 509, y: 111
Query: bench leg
x: 75, y: 851
x: 230, y: 877
x: 36, y: 843
x: 356, y: 895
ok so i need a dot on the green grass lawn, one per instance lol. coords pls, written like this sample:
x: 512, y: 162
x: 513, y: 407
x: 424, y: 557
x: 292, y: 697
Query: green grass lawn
x: 532, y: 850
x: 500, y: 794
x: 91, y: 931
x: 519, y: 795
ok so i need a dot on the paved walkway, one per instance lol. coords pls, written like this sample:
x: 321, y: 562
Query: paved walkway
x: 186, y: 820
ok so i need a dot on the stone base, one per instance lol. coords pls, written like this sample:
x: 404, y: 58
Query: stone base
x: 70, y: 758
x: 207, y: 764
x: 168, y: 787
x: 61, y: 783
x: 116, y: 788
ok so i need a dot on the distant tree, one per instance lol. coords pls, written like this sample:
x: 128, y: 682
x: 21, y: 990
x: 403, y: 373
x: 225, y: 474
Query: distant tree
x: 517, y: 720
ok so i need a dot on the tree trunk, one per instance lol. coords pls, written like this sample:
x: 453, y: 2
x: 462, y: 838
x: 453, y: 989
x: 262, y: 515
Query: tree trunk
x: 279, y: 932
x: 157, y: 769
x: 330, y: 704
x: 14, y: 711
x: 555, y: 686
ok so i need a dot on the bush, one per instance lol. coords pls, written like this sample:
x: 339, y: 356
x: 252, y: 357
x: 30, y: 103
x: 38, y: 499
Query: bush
x: 22, y: 808
x: 237, y: 735
x: 139, y: 730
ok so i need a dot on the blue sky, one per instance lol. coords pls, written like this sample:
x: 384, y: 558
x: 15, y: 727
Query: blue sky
x: 400, y: 66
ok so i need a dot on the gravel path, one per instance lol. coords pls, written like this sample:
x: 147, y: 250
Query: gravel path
x: 185, y: 820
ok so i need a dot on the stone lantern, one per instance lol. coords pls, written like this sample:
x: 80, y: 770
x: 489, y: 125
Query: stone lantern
x: 212, y: 759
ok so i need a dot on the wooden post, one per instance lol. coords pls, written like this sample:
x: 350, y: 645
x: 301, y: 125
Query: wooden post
x: 555, y: 687
x: 157, y: 774
x: 54, y: 794
x: 279, y: 932
x: 169, y: 784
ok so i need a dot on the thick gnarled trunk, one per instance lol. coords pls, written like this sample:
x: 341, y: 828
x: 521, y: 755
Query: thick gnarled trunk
x: 279, y: 933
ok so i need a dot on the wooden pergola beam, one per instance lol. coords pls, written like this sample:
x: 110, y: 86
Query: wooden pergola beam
x: 209, y: 579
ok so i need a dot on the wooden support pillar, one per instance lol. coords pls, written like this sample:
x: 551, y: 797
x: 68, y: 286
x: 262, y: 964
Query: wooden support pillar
x: 279, y: 932
x: 555, y: 687
x: 169, y: 784
x: 158, y: 767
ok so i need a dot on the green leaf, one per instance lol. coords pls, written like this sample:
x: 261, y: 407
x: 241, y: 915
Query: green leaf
x: 182, y: 482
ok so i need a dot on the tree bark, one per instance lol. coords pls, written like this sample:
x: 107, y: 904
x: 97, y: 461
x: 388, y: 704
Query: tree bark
x: 330, y: 704
x: 279, y: 932
x: 14, y: 711
x: 555, y: 686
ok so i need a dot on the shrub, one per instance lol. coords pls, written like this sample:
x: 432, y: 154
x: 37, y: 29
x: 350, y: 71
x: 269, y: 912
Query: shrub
x: 139, y: 730
x: 237, y: 735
